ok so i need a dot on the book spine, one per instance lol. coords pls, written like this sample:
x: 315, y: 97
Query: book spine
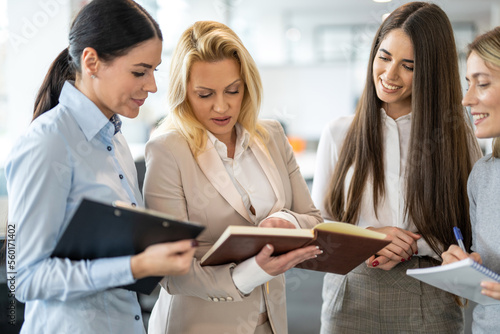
x: 486, y: 271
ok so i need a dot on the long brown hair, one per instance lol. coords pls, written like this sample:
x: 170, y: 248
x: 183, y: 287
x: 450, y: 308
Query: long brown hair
x: 439, y: 159
x: 487, y: 47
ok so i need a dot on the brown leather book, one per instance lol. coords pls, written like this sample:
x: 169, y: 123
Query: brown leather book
x: 344, y: 246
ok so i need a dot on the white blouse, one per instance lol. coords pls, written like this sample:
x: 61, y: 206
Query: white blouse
x: 251, y: 182
x: 391, y: 207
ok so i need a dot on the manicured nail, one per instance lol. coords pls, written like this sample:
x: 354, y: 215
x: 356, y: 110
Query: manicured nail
x: 194, y: 243
x: 416, y: 252
x: 409, y: 258
x: 402, y: 260
x: 375, y: 263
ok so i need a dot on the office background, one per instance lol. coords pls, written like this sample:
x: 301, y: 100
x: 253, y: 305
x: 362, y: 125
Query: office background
x: 312, y: 55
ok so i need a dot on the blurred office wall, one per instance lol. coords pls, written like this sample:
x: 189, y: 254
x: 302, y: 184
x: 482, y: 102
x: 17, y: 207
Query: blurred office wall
x: 312, y: 54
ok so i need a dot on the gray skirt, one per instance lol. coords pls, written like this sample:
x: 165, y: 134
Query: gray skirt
x: 369, y: 300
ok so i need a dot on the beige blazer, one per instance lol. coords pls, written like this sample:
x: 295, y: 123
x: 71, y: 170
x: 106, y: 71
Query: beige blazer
x: 200, y: 190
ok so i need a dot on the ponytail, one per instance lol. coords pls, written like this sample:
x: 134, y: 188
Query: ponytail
x: 48, y: 95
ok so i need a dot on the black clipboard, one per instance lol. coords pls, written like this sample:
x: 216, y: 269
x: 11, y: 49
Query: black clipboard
x: 100, y: 230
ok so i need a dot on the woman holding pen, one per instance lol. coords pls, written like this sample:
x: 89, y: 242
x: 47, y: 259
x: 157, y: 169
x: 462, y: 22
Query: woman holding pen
x: 73, y: 149
x: 483, y: 98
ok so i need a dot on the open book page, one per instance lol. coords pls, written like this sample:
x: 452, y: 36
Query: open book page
x: 462, y: 278
x: 344, y: 245
x: 350, y: 229
x: 239, y: 243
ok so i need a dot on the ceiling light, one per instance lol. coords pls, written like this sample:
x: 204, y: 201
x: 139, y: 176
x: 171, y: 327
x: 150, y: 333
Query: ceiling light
x: 382, y: 0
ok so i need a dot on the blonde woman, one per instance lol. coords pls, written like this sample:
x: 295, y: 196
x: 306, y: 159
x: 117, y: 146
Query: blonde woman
x: 215, y: 163
x: 483, y: 98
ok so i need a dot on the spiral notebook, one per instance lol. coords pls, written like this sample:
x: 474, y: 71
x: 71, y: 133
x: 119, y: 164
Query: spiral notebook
x: 462, y: 278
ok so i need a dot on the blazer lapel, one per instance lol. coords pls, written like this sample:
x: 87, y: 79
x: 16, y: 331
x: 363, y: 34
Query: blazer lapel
x: 213, y: 168
x: 269, y: 167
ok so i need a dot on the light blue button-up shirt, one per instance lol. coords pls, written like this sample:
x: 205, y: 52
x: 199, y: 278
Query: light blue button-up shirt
x: 68, y: 153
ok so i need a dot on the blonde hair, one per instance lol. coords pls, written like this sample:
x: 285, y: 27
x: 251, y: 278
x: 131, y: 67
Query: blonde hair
x: 210, y: 41
x: 487, y: 47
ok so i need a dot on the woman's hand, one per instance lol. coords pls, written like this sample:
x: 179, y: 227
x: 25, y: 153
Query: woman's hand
x: 276, y: 222
x: 455, y: 253
x: 381, y: 262
x: 402, y: 247
x: 491, y: 289
x: 275, y: 265
x: 170, y: 258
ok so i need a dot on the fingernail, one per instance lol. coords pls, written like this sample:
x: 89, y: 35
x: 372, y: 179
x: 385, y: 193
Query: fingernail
x: 375, y: 263
x: 194, y: 243
x: 402, y: 260
x: 416, y: 252
x: 409, y: 258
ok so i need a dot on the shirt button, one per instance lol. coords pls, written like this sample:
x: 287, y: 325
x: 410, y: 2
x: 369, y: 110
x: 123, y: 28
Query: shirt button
x: 121, y: 177
x: 137, y: 317
x: 109, y: 148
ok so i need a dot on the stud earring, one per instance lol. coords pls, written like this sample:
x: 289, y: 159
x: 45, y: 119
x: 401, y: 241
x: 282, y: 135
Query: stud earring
x: 93, y: 76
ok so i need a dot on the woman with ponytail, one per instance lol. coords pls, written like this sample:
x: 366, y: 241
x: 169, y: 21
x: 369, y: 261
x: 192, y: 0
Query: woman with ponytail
x: 73, y: 149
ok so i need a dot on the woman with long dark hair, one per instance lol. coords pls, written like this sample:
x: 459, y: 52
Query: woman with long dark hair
x: 73, y: 149
x: 399, y: 166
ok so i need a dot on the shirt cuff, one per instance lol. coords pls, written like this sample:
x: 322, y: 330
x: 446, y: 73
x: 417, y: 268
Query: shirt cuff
x: 111, y: 272
x: 285, y: 216
x: 248, y: 275
x: 425, y: 250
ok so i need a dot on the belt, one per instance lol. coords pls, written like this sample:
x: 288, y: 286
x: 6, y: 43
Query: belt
x: 262, y: 319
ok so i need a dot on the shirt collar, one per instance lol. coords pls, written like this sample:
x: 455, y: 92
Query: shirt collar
x: 87, y: 115
x: 242, y: 140
x: 402, y: 118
